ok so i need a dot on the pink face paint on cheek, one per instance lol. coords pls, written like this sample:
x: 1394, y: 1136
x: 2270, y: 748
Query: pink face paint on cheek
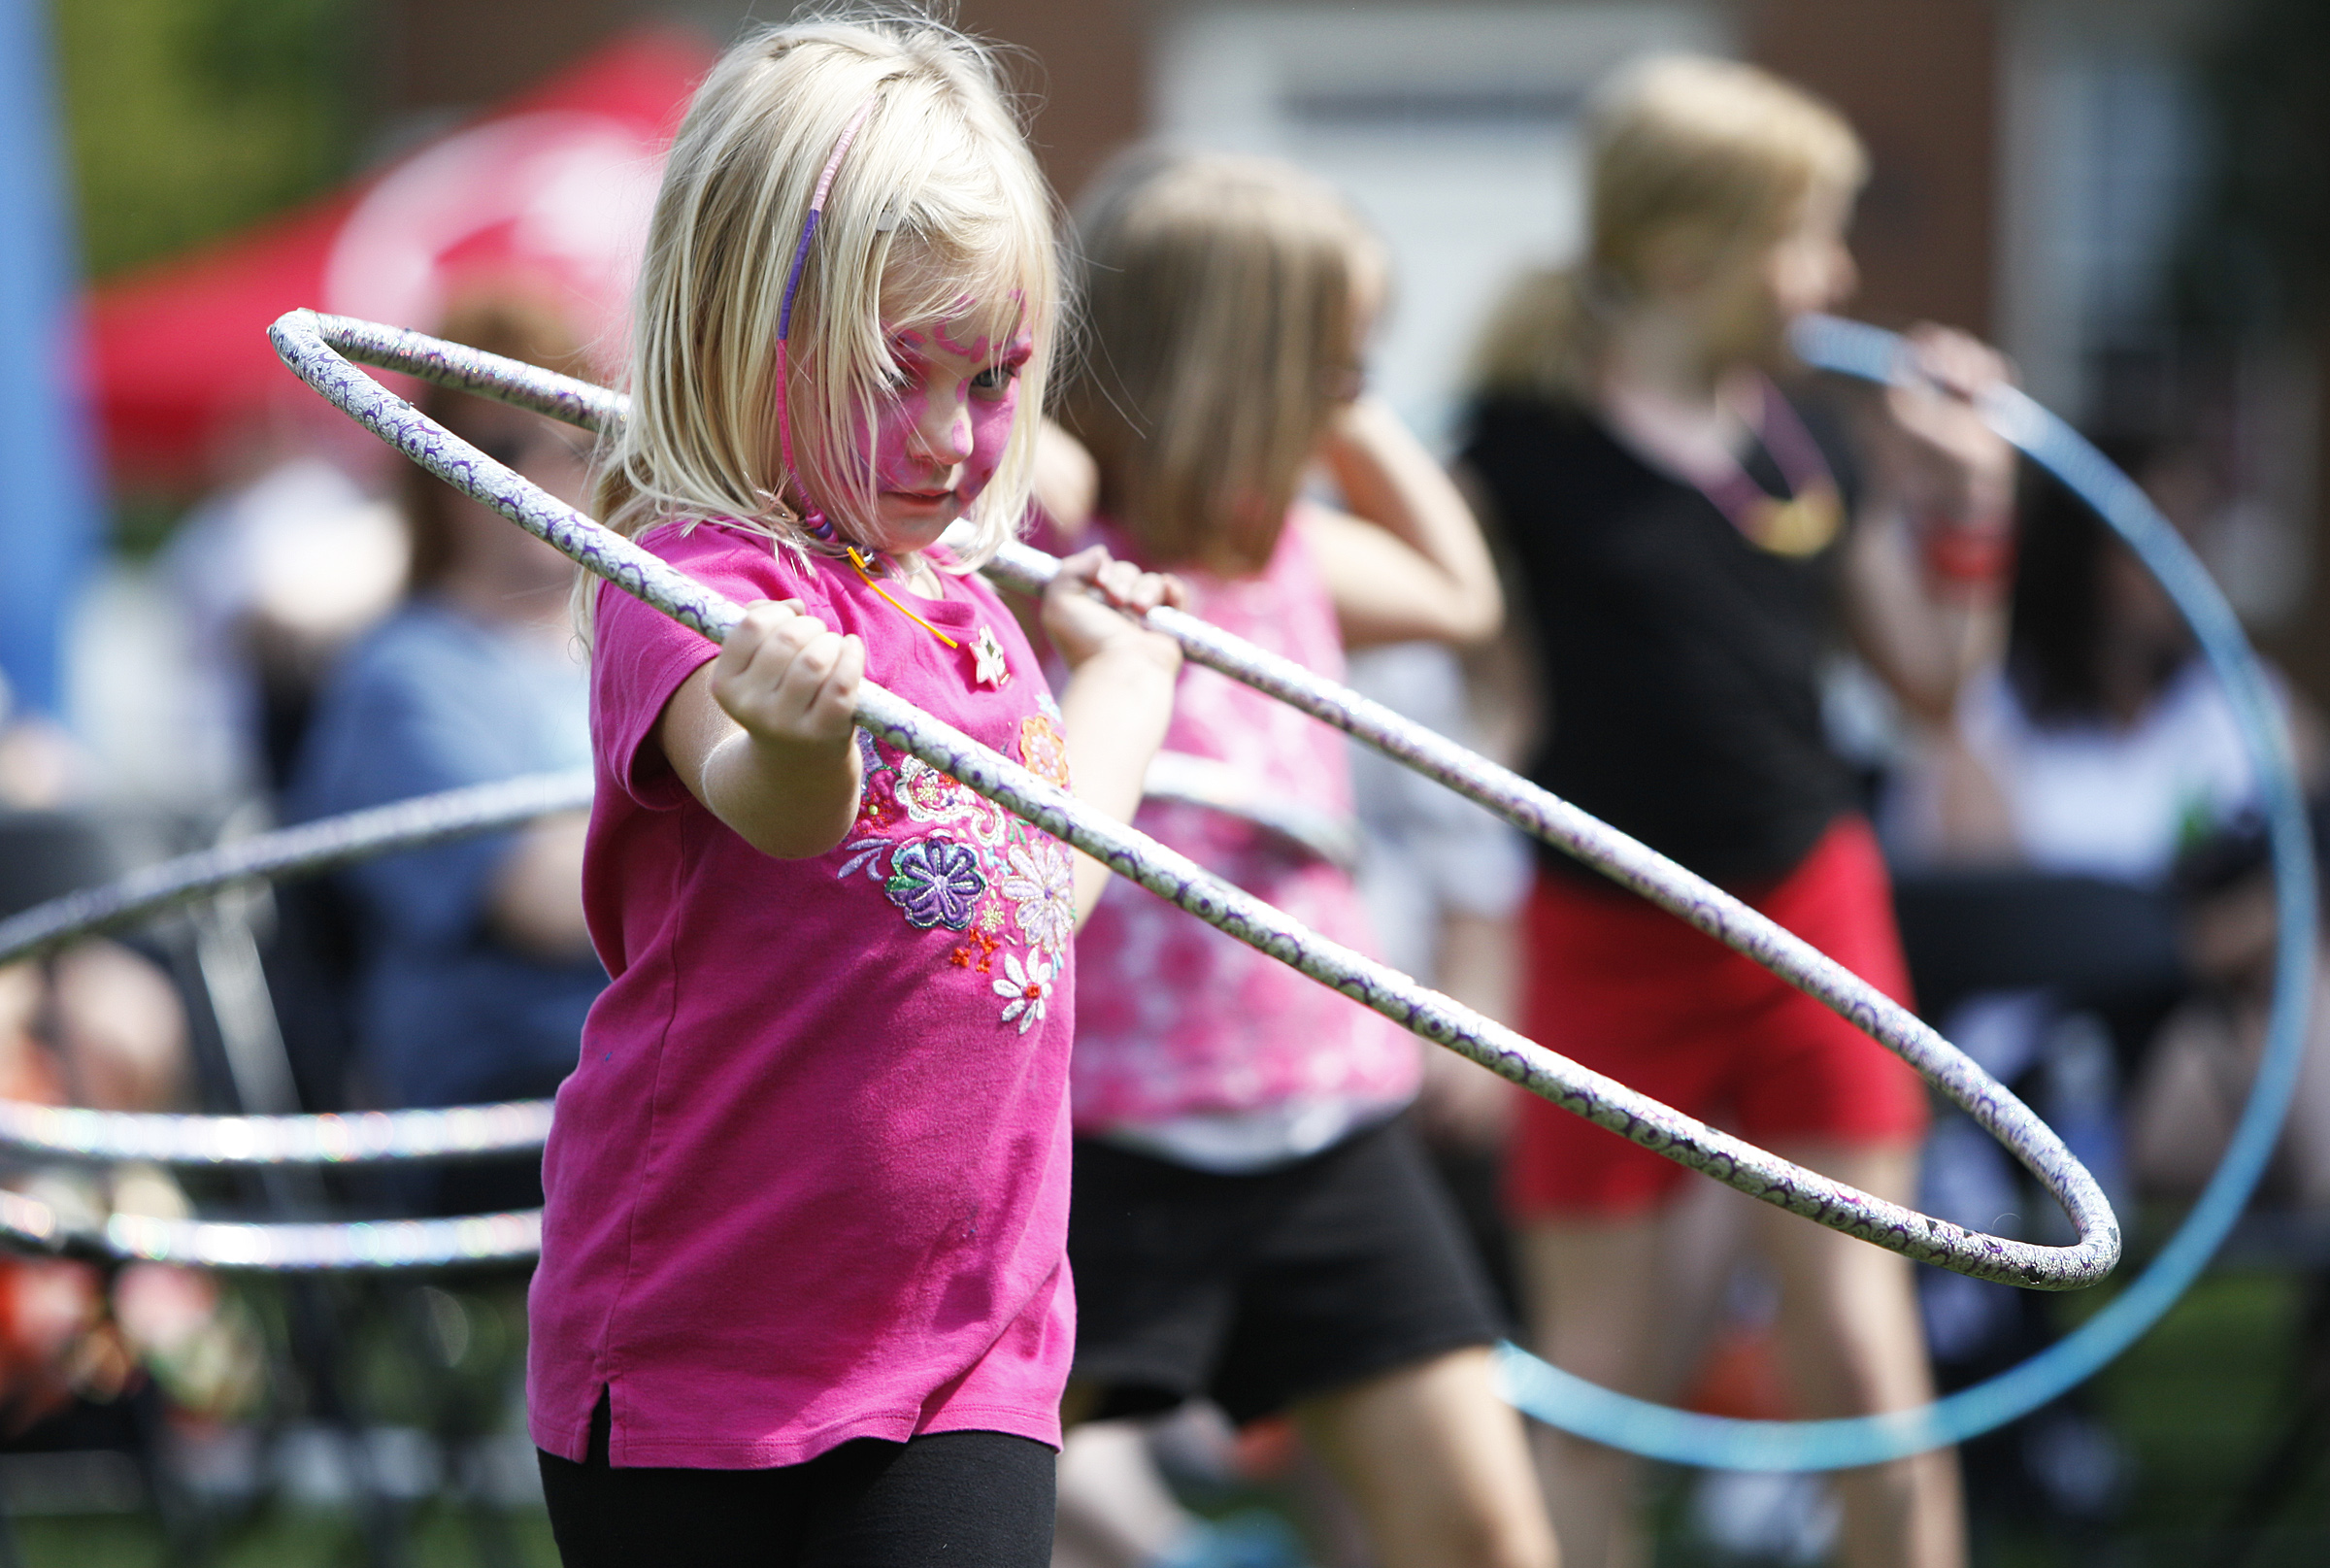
x: 919, y: 436
x: 991, y: 420
x: 990, y: 431
x: 895, y: 442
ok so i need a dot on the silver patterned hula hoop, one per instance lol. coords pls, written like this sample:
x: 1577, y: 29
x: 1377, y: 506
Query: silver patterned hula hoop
x: 307, y: 342
x: 313, y: 346
x: 45, y: 1132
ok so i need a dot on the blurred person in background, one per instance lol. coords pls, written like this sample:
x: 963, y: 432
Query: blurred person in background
x: 273, y: 574
x: 2100, y: 743
x: 2098, y: 761
x: 475, y: 970
x: 2102, y: 750
x: 1692, y: 545
x: 1252, y: 1220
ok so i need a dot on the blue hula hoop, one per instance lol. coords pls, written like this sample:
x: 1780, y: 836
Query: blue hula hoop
x: 1564, y: 1400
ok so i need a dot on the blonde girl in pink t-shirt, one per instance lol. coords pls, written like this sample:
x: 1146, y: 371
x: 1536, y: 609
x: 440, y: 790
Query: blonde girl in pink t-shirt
x: 803, y: 1296
x: 1252, y: 1219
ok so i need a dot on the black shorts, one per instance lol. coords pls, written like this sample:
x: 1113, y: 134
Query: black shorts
x: 982, y: 1499
x: 1262, y: 1290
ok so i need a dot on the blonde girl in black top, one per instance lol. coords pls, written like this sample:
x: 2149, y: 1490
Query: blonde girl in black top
x: 1691, y: 546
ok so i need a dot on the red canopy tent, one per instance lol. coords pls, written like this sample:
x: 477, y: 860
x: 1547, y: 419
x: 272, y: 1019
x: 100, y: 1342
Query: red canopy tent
x: 554, y: 186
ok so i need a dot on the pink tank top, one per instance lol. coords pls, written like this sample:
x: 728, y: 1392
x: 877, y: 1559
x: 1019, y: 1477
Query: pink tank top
x: 1174, y: 1020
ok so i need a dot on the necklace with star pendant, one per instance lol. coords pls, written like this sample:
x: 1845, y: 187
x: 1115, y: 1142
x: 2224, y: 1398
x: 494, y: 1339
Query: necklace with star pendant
x: 988, y: 664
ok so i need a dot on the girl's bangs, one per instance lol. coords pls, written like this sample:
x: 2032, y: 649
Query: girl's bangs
x: 987, y: 287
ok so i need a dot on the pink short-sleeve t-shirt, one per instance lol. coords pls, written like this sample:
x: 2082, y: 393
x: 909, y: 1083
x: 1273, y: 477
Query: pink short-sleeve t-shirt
x: 809, y: 1180
x: 1176, y: 1019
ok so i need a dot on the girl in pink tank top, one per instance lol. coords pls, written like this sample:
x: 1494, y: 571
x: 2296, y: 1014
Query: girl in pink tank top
x: 1252, y: 1222
x: 803, y: 1296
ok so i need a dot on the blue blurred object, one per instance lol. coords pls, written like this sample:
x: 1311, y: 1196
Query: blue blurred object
x: 1250, y: 1538
x: 1568, y: 1402
x: 48, y: 499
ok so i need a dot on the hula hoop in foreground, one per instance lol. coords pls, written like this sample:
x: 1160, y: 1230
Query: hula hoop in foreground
x: 453, y: 1133
x: 1545, y: 1392
x: 309, y: 345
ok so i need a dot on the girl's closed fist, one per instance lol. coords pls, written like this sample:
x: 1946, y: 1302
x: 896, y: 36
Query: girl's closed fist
x: 785, y: 678
x: 1081, y: 622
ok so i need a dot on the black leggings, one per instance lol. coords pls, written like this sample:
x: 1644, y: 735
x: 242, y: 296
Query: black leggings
x: 975, y: 1498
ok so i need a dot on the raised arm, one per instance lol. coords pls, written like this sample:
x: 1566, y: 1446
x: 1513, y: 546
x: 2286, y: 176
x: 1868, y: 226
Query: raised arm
x: 1119, y: 694
x: 1917, y: 601
x: 762, y: 735
x: 1406, y: 562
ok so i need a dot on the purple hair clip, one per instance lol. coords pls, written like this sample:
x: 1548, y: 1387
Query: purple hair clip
x: 814, y: 519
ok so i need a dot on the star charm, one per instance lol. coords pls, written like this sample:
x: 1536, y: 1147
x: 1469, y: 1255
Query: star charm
x: 986, y: 654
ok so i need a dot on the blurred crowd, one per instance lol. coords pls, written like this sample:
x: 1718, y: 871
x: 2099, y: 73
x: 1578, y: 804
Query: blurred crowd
x: 2066, y: 808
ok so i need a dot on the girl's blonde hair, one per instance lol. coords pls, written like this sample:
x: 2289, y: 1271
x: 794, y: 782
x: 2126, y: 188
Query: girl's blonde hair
x: 1221, y: 329
x: 1709, y: 158
x: 937, y: 203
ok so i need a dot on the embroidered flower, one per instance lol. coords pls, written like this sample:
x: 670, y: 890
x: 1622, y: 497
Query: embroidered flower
x: 1029, y: 989
x: 929, y: 796
x: 1039, y: 880
x: 935, y: 882
x: 1043, y: 749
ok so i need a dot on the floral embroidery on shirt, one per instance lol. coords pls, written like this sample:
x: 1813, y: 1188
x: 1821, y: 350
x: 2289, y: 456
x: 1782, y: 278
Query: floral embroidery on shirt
x: 931, y: 796
x: 865, y: 854
x: 1008, y: 889
x: 876, y: 791
x: 935, y: 882
x: 1039, y: 880
x: 1043, y: 749
x: 1028, y: 989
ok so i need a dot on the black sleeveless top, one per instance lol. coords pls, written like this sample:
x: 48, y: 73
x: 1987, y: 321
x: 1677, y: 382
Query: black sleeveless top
x: 1681, y: 661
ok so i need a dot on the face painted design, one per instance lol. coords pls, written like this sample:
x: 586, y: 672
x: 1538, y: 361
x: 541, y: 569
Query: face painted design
x: 939, y: 440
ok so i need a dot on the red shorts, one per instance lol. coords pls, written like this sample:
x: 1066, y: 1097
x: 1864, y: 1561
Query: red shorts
x: 1618, y: 984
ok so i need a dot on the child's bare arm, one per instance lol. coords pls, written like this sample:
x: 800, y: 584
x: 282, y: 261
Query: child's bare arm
x: 762, y: 735
x: 1119, y: 693
x: 1937, y: 464
x: 1411, y: 562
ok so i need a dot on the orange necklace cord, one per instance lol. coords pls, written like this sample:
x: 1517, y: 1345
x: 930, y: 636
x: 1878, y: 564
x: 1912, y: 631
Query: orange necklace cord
x: 861, y: 563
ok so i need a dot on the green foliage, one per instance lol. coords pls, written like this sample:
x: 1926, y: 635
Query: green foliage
x: 190, y: 118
